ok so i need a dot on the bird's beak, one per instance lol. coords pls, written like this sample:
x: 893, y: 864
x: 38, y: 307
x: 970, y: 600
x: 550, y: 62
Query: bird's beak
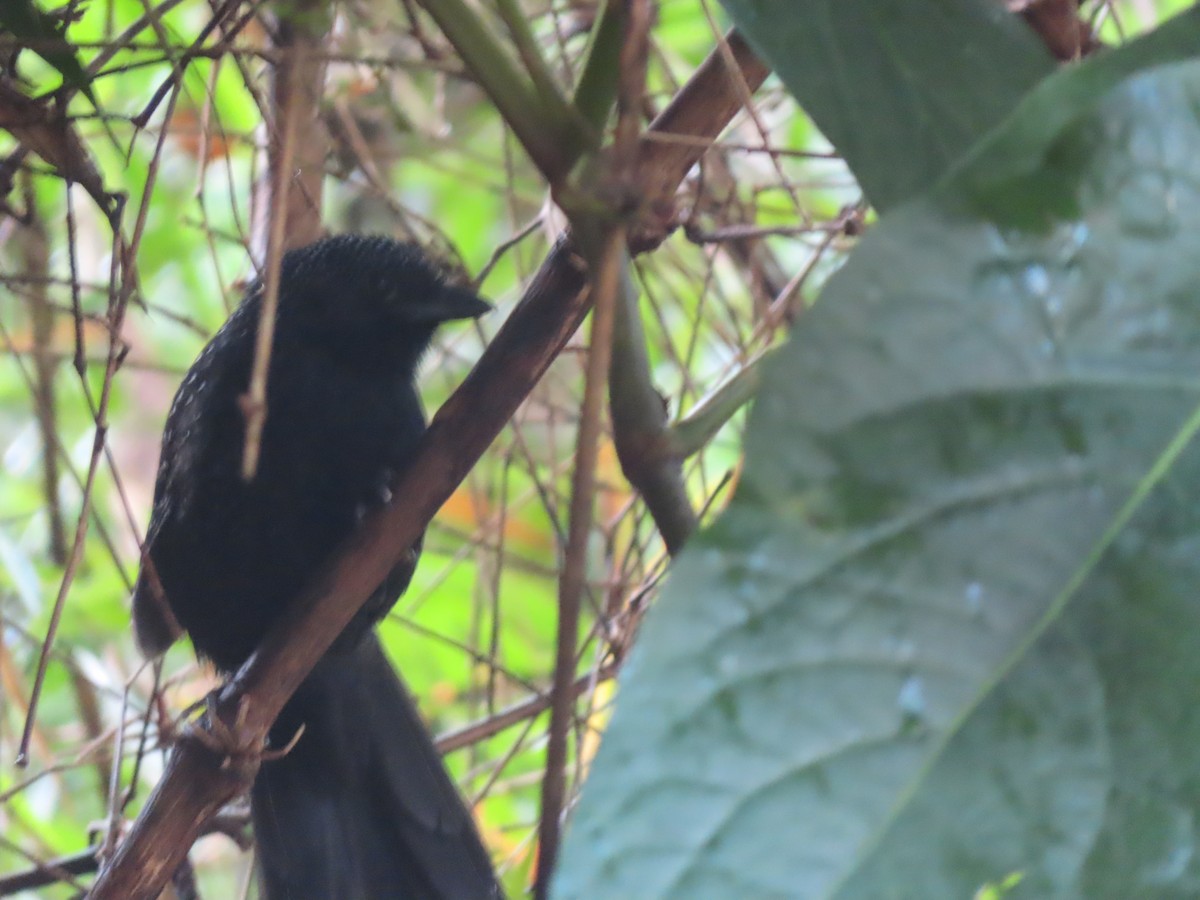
x: 455, y: 303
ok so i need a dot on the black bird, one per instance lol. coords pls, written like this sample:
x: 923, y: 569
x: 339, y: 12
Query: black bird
x: 362, y: 807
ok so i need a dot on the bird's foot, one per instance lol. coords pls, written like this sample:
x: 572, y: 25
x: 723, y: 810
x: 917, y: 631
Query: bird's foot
x: 233, y: 743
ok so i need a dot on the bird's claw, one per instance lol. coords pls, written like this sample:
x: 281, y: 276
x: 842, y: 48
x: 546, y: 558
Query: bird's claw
x: 229, y: 742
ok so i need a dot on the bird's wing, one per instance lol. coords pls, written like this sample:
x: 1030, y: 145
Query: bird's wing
x: 154, y: 625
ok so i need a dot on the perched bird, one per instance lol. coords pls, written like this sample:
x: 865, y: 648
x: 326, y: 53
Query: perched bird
x: 361, y: 808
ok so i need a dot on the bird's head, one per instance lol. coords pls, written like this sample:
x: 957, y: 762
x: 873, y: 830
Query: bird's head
x: 368, y: 298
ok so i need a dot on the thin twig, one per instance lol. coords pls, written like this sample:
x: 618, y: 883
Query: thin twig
x: 36, y: 252
x: 518, y: 712
x: 605, y: 283
x: 254, y: 402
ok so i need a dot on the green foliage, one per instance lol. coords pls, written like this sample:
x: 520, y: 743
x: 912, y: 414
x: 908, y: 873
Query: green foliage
x: 944, y: 633
x: 901, y: 88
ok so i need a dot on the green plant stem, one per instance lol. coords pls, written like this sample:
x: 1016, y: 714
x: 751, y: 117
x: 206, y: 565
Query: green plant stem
x: 565, y: 118
x: 596, y: 90
x: 536, y: 125
x: 639, y: 424
x: 690, y: 434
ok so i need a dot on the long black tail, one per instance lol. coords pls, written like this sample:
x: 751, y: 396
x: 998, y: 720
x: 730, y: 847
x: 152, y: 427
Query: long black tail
x: 362, y: 807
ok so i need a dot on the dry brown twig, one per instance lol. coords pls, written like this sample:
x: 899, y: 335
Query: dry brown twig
x: 609, y: 287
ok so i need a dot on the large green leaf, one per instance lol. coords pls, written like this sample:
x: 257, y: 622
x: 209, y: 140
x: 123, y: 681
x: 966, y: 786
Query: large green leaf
x: 1079, y: 771
x: 902, y: 88
x: 945, y: 632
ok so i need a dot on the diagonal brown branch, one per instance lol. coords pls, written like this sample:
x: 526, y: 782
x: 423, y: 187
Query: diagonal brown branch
x: 196, y: 785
